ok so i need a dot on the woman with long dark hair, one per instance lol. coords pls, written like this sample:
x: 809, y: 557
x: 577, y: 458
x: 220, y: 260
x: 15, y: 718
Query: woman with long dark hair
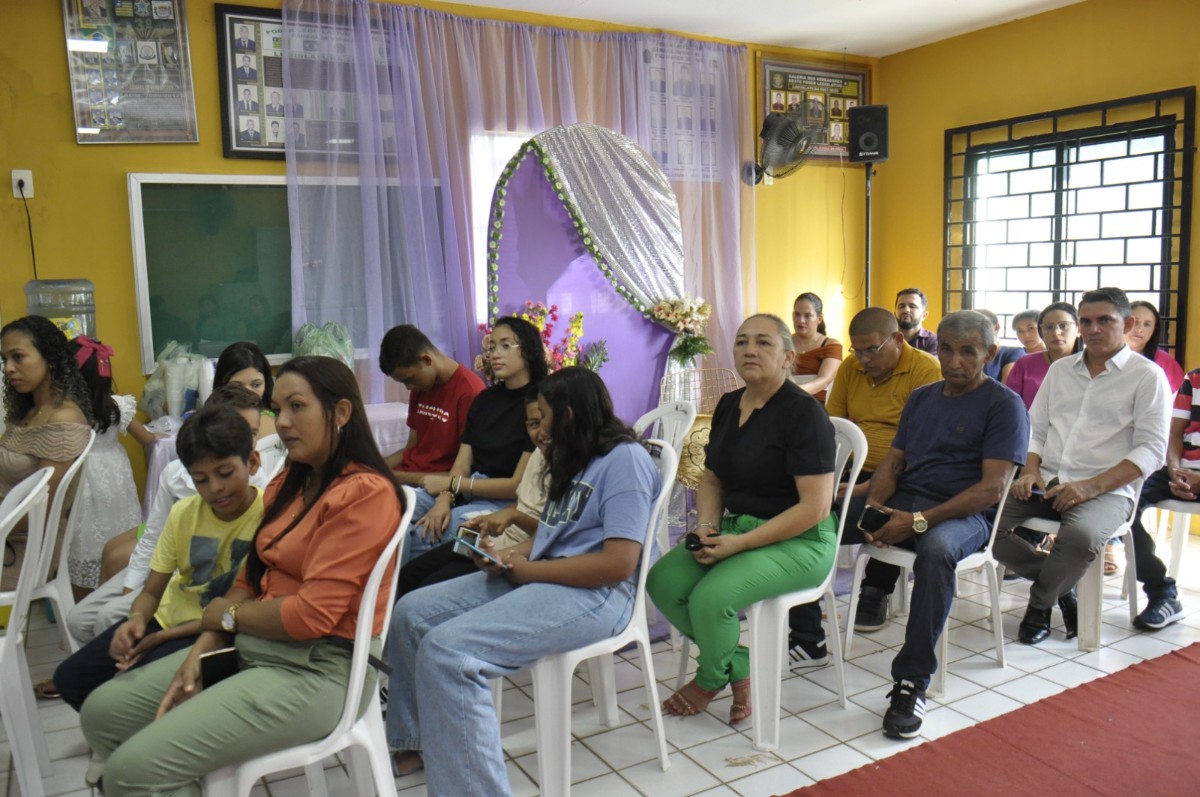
x: 243, y: 363
x: 290, y: 614
x: 571, y: 585
x: 46, y: 409
x: 493, y: 451
x: 1144, y: 339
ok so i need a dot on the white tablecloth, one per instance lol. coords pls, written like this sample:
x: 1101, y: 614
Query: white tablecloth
x: 387, y: 425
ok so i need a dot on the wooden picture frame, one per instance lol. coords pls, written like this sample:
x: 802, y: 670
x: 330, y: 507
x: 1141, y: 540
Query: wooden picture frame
x: 821, y: 93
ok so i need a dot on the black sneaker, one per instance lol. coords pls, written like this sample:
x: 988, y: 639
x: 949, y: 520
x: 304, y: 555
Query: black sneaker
x: 804, y: 653
x: 872, y: 611
x: 904, y: 716
x: 1159, y: 614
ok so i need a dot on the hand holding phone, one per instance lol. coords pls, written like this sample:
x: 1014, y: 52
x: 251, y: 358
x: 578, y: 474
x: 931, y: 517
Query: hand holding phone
x: 476, y: 550
x: 872, y: 519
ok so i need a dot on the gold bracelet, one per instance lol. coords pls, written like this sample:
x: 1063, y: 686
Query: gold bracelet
x: 136, y: 614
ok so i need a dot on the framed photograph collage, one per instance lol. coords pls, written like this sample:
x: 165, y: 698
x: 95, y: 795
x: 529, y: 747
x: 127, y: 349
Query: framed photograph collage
x: 823, y: 95
x: 131, y: 79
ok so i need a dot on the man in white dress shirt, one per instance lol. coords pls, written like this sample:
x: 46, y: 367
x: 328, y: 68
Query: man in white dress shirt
x: 1098, y: 427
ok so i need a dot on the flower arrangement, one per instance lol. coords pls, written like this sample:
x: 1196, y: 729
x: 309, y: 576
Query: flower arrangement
x: 687, y: 319
x: 567, y: 351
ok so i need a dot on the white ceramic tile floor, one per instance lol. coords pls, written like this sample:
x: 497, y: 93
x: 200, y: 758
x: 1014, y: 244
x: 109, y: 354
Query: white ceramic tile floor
x: 708, y: 758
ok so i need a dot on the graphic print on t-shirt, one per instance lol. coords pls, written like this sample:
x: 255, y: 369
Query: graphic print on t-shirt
x: 568, y: 508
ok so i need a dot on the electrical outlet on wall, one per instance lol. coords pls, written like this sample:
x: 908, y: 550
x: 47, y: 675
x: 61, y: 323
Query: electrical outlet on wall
x: 22, y: 189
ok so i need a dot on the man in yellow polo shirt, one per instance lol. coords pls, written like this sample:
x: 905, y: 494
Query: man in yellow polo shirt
x: 870, y: 389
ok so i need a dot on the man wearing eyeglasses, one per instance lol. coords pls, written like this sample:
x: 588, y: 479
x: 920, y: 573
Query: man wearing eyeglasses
x: 870, y: 389
x: 1099, y: 427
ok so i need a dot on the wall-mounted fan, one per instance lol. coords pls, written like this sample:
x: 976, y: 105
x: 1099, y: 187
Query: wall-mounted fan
x: 786, y: 144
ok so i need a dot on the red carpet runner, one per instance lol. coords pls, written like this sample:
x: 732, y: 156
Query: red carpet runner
x: 1133, y: 732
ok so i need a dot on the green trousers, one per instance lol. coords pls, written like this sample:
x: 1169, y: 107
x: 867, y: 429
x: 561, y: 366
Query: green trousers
x: 287, y: 693
x: 703, y: 601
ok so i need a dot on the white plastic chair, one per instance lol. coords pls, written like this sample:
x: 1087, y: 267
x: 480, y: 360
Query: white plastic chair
x: 363, y: 736
x: 57, y: 588
x: 1181, y: 517
x: 904, y: 559
x: 18, y: 708
x: 1091, y: 585
x: 552, y: 674
x: 768, y: 619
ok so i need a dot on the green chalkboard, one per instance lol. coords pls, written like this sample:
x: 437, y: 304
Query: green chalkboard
x: 212, y: 260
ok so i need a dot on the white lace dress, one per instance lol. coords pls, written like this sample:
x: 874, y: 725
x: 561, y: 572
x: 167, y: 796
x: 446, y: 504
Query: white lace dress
x: 106, y: 501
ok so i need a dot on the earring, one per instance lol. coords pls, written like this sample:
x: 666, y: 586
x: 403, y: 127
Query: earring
x: 341, y: 429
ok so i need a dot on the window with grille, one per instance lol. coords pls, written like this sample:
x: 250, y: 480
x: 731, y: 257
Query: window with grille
x: 1041, y: 208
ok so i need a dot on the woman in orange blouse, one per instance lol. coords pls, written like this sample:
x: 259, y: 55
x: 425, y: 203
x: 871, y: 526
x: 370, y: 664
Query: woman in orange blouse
x: 290, y: 614
x: 818, y: 356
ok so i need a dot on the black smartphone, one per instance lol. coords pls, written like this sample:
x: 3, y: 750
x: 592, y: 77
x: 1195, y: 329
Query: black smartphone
x: 217, y: 665
x: 872, y: 519
x: 691, y: 541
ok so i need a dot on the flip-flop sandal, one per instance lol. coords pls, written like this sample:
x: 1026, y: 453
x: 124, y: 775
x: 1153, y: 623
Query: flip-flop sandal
x: 1111, y: 568
x: 47, y: 690
x: 739, y: 709
x: 680, y: 705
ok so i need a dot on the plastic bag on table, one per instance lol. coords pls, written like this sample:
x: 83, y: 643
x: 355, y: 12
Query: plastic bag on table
x: 330, y: 340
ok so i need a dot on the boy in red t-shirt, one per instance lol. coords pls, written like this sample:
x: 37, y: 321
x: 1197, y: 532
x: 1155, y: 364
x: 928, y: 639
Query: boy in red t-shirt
x: 441, y: 391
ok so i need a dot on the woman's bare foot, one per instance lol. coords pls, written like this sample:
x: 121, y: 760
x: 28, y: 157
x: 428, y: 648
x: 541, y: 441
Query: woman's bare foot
x: 739, y: 709
x: 406, y: 762
x: 688, y: 701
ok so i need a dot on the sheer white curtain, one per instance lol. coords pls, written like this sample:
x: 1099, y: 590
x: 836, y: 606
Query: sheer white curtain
x: 391, y: 96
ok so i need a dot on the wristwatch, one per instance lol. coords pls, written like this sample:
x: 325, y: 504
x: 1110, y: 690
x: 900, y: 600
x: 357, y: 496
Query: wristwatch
x: 229, y: 619
x: 920, y: 524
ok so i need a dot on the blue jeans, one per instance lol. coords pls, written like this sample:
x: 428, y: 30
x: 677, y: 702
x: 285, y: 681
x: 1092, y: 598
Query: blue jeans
x: 448, y: 639
x: 416, y: 544
x: 939, y: 550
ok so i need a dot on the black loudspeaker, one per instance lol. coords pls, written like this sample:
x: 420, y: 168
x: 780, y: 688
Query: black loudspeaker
x: 868, y: 134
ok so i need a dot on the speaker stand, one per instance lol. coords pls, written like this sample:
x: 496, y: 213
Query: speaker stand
x: 870, y: 171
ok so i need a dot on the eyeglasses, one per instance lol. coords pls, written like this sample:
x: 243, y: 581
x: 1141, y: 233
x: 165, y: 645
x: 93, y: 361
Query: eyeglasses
x: 503, y: 348
x: 870, y: 352
x: 1062, y: 326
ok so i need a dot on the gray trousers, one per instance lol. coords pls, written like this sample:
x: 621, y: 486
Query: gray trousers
x: 100, y: 610
x: 1081, y: 537
x: 287, y: 693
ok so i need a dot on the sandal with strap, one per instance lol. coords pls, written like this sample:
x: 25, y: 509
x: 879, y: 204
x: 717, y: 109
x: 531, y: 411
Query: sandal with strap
x: 688, y: 701
x: 1111, y: 567
x: 739, y: 709
x: 47, y: 690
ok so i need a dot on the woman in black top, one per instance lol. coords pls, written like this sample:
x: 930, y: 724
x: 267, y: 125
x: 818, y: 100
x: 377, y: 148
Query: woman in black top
x: 495, y: 446
x: 763, y: 508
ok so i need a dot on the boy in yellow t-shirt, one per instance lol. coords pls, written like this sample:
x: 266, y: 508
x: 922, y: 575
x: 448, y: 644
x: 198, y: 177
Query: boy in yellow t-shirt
x: 203, y: 543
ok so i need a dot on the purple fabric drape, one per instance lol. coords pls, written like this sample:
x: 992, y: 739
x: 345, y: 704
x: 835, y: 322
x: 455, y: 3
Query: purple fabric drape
x: 387, y: 99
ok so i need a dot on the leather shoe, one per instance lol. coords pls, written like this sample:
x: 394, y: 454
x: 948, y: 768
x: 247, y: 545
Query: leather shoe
x: 1035, y: 627
x: 1070, y: 614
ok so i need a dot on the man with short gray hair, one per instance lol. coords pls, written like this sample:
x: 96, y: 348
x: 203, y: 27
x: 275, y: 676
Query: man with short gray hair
x: 957, y: 442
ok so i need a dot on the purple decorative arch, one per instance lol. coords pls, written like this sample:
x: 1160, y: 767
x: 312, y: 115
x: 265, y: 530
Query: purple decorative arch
x: 548, y: 244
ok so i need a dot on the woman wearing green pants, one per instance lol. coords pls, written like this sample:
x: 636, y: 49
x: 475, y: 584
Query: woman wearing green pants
x: 764, y: 516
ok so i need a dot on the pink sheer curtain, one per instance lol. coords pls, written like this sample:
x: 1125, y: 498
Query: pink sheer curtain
x: 381, y: 219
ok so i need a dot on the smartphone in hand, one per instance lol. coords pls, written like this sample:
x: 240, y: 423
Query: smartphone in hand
x: 217, y: 665
x: 475, y: 549
x: 462, y: 538
x: 872, y: 519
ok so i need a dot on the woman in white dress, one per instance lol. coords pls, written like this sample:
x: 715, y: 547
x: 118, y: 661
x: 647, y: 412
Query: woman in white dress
x: 106, y: 501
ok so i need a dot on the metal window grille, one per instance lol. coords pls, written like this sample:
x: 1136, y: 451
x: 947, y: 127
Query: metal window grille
x: 1044, y: 207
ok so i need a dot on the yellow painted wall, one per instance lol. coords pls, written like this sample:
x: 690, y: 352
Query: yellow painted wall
x: 80, y: 209
x: 1085, y: 53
